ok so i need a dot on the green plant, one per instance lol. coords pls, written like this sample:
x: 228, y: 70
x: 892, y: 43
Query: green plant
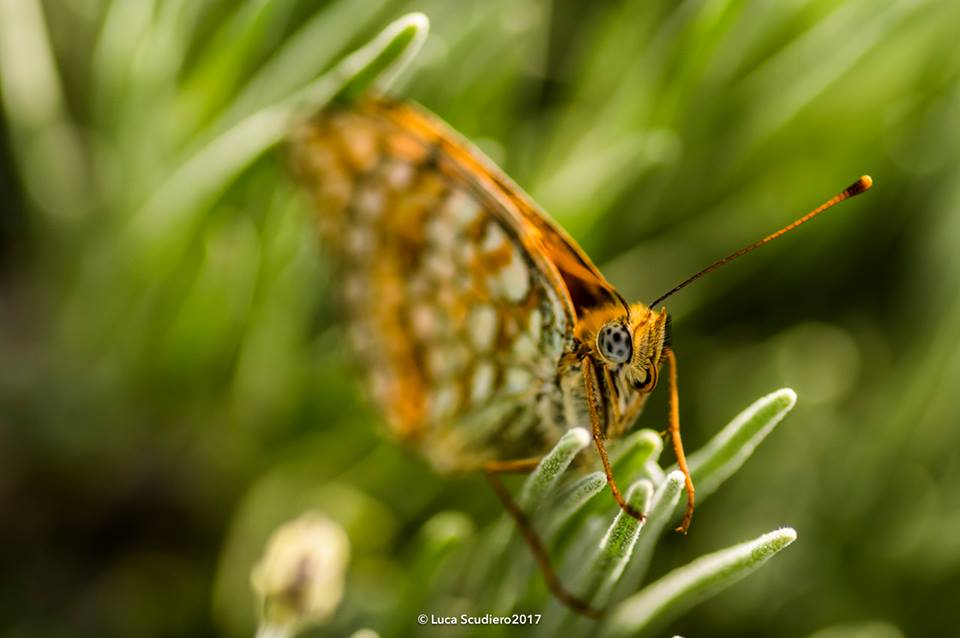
x: 603, y: 561
x: 162, y: 411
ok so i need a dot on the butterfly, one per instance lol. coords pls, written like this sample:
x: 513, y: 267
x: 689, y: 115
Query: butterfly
x: 485, y: 331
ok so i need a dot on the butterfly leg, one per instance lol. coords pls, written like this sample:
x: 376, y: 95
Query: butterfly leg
x: 590, y: 386
x: 529, y: 534
x: 513, y: 466
x: 677, y: 443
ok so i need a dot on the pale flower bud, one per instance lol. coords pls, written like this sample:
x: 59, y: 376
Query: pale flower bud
x: 299, y: 580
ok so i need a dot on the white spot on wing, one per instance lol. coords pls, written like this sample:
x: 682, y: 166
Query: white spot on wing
x: 438, y: 266
x: 466, y: 253
x: 418, y: 287
x: 359, y: 241
x: 380, y: 382
x: 535, y: 325
x: 369, y: 203
x: 359, y: 338
x: 482, y: 327
x: 482, y: 385
x: 360, y: 144
x: 444, y: 402
x: 446, y: 360
x: 442, y: 233
x: 493, y: 238
x: 398, y: 174
x: 527, y: 343
x: 423, y: 320
x: 514, y: 279
x: 462, y: 207
x: 354, y: 290
x: 517, y: 380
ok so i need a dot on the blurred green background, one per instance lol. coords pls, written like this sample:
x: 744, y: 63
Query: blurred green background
x: 172, y: 380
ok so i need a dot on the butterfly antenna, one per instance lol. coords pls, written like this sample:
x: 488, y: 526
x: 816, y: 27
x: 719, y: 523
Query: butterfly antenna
x: 861, y: 185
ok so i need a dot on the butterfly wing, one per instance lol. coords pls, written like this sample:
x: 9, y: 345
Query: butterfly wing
x: 461, y: 295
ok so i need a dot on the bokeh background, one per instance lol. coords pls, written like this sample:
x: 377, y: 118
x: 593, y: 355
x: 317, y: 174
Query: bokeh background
x: 171, y: 390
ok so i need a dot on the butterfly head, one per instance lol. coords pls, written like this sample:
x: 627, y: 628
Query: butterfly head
x: 629, y: 342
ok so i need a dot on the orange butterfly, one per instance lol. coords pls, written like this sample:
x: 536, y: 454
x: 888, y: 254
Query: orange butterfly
x: 485, y: 330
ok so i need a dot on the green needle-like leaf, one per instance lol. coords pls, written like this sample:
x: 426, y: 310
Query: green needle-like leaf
x: 169, y: 215
x: 548, y: 473
x: 49, y: 148
x: 630, y: 456
x: 380, y: 61
x: 712, y: 464
x: 226, y: 58
x: 170, y: 327
x: 659, y: 514
x: 307, y: 52
x: 684, y: 587
x: 533, y: 496
x: 575, y: 497
x: 616, y: 547
x: 601, y: 568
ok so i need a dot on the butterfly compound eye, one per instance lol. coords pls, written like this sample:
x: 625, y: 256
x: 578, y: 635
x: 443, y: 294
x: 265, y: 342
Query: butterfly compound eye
x: 614, y: 343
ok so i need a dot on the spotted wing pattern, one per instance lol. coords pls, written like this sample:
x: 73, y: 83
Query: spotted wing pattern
x: 461, y: 295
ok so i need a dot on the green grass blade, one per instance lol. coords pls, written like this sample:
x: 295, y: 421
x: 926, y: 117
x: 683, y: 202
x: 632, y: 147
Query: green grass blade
x: 726, y: 452
x: 617, y: 546
x: 684, y: 587
x: 380, y: 62
x: 630, y: 455
x: 544, y: 479
x: 305, y: 54
x: 602, y: 566
x: 226, y: 60
x: 52, y: 160
x: 575, y: 497
x: 660, y: 513
x: 167, y: 219
x: 125, y: 26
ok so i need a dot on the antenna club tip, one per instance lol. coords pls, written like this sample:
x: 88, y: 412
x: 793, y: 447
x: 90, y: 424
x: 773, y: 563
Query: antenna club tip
x: 861, y: 185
